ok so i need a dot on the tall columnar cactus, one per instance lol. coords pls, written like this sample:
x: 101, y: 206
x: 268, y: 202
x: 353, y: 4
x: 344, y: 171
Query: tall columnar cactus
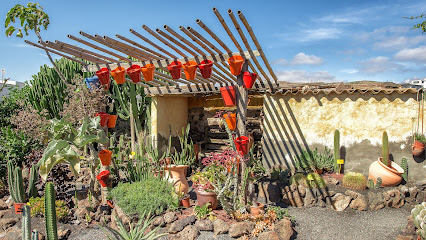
x: 404, y: 166
x: 385, y: 149
x: 34, y: 235
x: 19, y: 186
x: 336, y: 146
x: 354, y: 181
x: 16, y: 183
x: 33, y: 181
x: 26, y: 223
x: 50, y: 212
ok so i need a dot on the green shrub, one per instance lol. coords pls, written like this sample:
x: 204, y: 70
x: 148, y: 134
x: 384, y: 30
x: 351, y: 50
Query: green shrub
x: 311, y: 160
x: 280, y: 212
x: 37, y: 208
x: 153, y: 195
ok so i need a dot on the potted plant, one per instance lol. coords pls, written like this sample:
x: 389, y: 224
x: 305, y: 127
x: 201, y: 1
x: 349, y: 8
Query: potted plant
x: 385, y: 168
x: 204, y: 188
x: 419, y: 144
x: 257, y: 209
x: 184, y: 200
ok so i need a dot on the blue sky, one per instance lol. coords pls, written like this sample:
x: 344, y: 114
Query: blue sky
x: 304, y: 40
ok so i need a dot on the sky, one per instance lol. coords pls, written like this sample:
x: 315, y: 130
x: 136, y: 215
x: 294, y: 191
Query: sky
x: 304, y: 40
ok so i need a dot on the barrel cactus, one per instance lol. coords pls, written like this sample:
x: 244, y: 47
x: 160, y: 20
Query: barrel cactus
x: 354, y: 181
x: 419, y: 215
x: 50, y: 212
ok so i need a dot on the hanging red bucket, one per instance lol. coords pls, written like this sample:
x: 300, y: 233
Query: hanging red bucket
x: 236, y: 64
x: 105, y: 156
x: 104, y: 118
x: 148, y: 72
x: 119, y: 75
x: 206, y: 68
x: 229, y: 96
x: 241, y: 143
x: 104, y: 78
x: 103, y: 177
x: 190, y: 69
x: 175, y: 69
x: 249, y: 79
x: 134, y: 73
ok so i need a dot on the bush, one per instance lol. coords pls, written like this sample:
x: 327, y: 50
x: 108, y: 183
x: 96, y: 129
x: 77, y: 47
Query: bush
x: 11, y: 103
x: 153, y: 195
x: 37, y: 208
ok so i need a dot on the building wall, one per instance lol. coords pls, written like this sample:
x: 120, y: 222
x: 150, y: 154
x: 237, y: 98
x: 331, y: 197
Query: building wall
x: 293, y: 123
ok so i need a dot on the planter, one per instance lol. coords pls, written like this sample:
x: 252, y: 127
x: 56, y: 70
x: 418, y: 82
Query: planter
x: 236, y: 64
x: 391, y: 176
x: 118, y: 74
x: 104, y: 78
x: 103, y: 177
x: 175, y: 69
x: 105, y: 156
x: 112, y: 120
x: 110, y: 204
x: 231, y: 120
x: 185, y: 203
x: 417, y: 148
x: 204, y: 197
x: 92, y: 82
x: 257, y: 209
x: 190, y: 69
x: 134, y: 73
x: 148, y: 72
x: 241, y: 143
x: 177, y: 176
x: 249, y: 79
x: 206, y: 68
x: 104, y: 118
x: 229, y: 96
x: 19, y: 207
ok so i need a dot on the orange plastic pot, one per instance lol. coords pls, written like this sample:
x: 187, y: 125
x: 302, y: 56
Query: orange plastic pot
x: 231, y: 120
x: 190, y: 69
x: 241, y: 143
x: 112, y: 120
x: 417, y: 148
x: 104, y: 118
x: 185, y: 203
x: 105, y: 156
x: 236, y: 64
x: 257, y: 209
x: 103, y: 177
x: 175, y: 69
x: 118, y: 74
x: 206, y: 68
x: 148, y: 72
x: 19, y: 207
x: 391, y: 176
x: 104, y: 78
x: 249, y: 79
x: 229, y: 96
x: 134, y: 73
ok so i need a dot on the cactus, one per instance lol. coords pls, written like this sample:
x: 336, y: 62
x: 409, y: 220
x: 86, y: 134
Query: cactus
x: 316, y: 181
x: 378, y: 183
x: 26, y: 223
x: 385, y: 149
x: 336, y: 146
x: 419, y: 215
x: 33, y: 181
x: 34, y: 235
x: 18, y: 186
x: 404, y: 166
x: 299, y: 179
x: 354, y: 181
x: 370, y: 183
x: 50, y: 212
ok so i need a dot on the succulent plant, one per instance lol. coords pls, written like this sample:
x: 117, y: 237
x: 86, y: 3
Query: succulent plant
x: 419, y: 215
x: 354, y: 181
x: 26, y: 223
x: 299, y: 179
x: 316, y: 181
x: 370, y: 183
x: 404, y: 166
x: 336, y: 145
x: 50, y: 212
x: 378, y: 183
x: 385, y: 149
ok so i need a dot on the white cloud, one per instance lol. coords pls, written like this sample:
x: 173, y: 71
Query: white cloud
x: 21, y: 45
x: 303, y: 76
x: 350, y: 71
x: 281, y: 62
x: 399, y: 42
x: 319, y: 34
x: 379, y: 64
x: 413, y: 54
x: 300, y: 59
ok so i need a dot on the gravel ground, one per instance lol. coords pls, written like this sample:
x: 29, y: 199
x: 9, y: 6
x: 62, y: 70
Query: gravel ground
x: 322, y: 223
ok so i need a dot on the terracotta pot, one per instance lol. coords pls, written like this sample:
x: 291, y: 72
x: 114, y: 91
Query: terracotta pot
x: 257, y: 209
x: 231, y: 120
x: 19, y: 207
x: 206, y: 68
x: 148, y: 72
x: 112, y: 120
x: 119, y: 75
x: 167, y: 161
x: 204, y: 197
x: 229, y: 96
x: 391, y: 176
x: 105, y: 156
x: 178, y: 177
x: 104, y: 118
x: 134, y: 73
x: 103, y: 177
x: 175, y: 69
x: 236, y: 64
x: 190, y: 69
x: 249, y: 79
x: 417, y: 148
x: 241, y: 144
x: 104, y: 78
x: 185, y: 203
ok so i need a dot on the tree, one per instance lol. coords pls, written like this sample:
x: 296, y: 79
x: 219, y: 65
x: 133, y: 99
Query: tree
x: 420, y: 25
x: 32, y: 18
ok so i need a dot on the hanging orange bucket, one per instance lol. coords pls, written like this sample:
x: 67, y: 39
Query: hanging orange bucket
x: 175, y: 69
x: 206, y: 68
x: 148, y: 72
x: 190, y: 69
x: 118, y: 74
x: 134, y: 73
x: 231, y: 120
x: 105, y: 156
x: 236, y: 64
x: 104, y: 78
x: 112, y: 120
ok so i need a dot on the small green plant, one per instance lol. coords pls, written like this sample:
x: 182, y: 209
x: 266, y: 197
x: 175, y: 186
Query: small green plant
x: 37, y: 208
x: 378, y: 183
x: 203, y: 212
x: 385, y: 150
x: 299, y: 179
x: 310, y: 160
x: 420, y: 137
x: 186, y: 155
x: 354, y: 181
x: 280, y: 212
x: 316, y: 181
x: 370, y: 183
x: 404, y: 166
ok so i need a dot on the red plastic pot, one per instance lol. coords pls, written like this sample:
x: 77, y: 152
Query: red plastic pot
x: 103, y: 177
x: 134, y: 73
x: 119, y: 75
x: 105, y: 156
x: 190, y: 69
x: 104, y: 118
x: 229, y: 96
x: 175, y: 69
x: 104, y: 78
x: 148, y: 72
x: 206, y: 68
x: 112, y: 120
x: 249, y: 79
x: 19, y: 207
x: 236, y: 64
x: 241, y: 143
x: 231, y: 120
